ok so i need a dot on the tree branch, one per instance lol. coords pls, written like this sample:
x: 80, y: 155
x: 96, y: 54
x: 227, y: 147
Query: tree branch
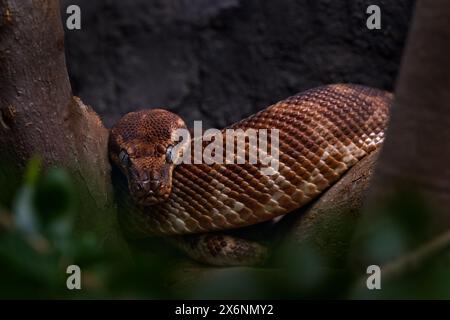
x: 39, y: 115
x: 328, y: 224
x: 416, y: 153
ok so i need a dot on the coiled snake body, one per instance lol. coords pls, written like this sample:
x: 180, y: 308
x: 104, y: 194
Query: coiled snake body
x: 322, y: 133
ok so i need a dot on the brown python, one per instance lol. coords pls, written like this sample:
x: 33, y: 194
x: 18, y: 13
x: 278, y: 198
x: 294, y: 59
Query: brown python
x: 322, y: 133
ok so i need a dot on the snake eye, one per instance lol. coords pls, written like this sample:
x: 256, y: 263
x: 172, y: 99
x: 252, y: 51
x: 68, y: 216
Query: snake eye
x: 124, y: 158
x: 160, y: 149
x: 169, y: 154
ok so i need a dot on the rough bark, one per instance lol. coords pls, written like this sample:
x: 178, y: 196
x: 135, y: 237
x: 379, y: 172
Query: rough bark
x: 39, y: 115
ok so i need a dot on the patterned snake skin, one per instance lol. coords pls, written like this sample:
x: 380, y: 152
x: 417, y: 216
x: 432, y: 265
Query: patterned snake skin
x: 322, y: 133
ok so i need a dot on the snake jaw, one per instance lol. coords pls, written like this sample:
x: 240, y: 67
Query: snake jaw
x: 149, y: 187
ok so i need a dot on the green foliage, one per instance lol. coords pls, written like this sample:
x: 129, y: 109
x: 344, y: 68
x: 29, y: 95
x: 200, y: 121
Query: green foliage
x: 38, y: 243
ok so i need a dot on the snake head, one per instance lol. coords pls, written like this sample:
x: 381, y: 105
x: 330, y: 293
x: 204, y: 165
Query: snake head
x: 141, y: 145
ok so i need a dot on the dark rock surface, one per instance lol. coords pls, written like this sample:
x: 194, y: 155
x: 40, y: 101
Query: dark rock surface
x: 221, y: 60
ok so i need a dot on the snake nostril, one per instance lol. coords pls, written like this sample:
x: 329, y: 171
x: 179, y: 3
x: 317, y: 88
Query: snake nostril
x: 145, y: 176
x: 155, y: 175
x: 137, y: 187
x: 155, y: 184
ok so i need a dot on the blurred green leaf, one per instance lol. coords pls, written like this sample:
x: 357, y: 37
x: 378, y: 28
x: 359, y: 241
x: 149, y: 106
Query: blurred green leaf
x: 35, y: 255
x: 53, y: 196
x: 24, y: 216
x: 33, y: 170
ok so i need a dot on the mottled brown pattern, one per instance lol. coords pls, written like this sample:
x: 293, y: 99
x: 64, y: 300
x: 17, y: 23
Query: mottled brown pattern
x: 323, y: 132
x: 221, y: 250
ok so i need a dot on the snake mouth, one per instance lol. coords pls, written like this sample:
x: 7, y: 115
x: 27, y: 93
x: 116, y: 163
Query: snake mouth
x: 150, y: 185
x: 151, y: 199
x: 147, y: 192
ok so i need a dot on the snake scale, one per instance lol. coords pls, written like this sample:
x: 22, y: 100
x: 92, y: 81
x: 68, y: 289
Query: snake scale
x: 322, y: 133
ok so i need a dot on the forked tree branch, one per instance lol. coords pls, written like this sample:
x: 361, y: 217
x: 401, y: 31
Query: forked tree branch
x: 38, y: 115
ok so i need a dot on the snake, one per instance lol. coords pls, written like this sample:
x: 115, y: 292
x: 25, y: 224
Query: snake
x: 322, y: 132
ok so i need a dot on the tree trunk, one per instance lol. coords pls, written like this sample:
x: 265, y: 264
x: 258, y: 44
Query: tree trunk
x: 408, y: 204
x: 39, y: 115
x: 416, y: 153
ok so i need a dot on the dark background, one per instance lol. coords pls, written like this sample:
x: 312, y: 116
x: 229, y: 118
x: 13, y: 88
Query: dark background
x: 221, y: 60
